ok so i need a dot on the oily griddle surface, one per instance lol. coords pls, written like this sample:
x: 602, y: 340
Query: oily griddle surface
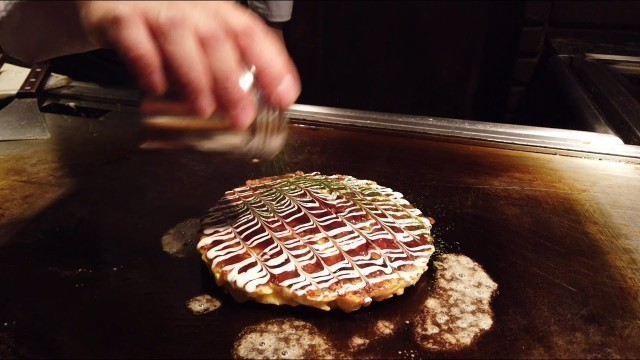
x: 88, y: 277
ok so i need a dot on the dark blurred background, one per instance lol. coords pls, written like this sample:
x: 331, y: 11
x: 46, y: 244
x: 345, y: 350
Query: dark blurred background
x: 477, y: 60
x: 450, y: 59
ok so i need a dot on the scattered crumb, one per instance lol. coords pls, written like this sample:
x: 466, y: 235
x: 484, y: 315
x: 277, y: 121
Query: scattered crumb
x: 69, y: 273
x: 407, y: 354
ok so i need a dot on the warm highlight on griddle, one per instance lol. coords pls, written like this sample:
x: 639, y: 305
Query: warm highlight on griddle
x: 322, y: 241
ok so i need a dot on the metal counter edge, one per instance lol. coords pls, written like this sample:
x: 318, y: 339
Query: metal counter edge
x: 487, y: 132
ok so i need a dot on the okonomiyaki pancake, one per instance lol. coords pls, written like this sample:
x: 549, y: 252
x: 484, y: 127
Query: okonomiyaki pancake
x: 316, y: 240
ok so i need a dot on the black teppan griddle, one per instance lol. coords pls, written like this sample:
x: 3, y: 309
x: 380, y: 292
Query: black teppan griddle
x: 87, y: 276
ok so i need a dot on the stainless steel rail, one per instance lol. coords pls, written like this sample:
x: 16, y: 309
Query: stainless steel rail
x: 495, y: 133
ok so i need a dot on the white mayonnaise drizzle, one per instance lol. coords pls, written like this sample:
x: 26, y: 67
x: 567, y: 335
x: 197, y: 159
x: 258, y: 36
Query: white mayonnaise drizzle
x: 308, y: 228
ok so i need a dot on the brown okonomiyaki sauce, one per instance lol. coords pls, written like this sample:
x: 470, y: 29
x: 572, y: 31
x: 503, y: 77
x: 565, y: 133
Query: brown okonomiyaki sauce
x: 363, y: 249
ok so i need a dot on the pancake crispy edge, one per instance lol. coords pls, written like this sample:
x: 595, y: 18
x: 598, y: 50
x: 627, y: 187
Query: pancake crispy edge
x: 347, y: 294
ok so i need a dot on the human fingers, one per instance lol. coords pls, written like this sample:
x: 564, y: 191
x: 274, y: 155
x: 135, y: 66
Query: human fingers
x: 226, y: 69
x: 128, y: 34
x: 180, y: 47
x: 166, y: 107
x: 276, y: 73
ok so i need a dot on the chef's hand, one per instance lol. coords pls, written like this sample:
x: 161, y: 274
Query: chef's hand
x: 201, y: 48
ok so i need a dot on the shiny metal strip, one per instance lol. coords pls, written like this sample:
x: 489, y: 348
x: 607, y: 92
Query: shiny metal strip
x: 491, y: 133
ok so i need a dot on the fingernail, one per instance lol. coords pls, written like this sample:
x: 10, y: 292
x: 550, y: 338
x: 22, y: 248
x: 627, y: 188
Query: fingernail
x: 287, y: 91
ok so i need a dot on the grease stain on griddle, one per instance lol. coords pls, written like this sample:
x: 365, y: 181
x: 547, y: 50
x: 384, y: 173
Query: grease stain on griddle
x: 283, y: 338
x: 358, y: 342
x: 384, y: 328
x: 203, y: 304
x: 180, y: 240
x: 380, y: 329
x: 458, y: 310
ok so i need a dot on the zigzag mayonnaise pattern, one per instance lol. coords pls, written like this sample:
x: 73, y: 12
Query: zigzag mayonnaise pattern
x: 317, y: 235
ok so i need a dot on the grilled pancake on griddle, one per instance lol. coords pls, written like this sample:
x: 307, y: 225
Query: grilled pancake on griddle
x: 322, y: 241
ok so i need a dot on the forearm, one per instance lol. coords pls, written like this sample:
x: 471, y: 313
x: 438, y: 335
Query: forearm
x: 33, y: 31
